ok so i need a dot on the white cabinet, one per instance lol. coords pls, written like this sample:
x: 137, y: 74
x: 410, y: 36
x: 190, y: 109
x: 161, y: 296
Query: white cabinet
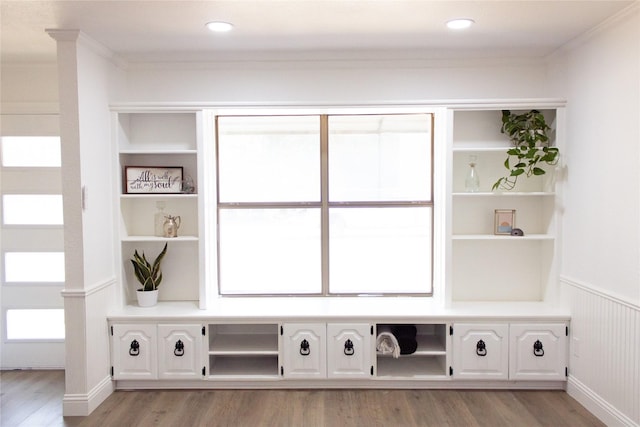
x: 179, y: 351
x: 334, y: 350
x: 156, y: 351
x: 516, y: 351
x: 134, y: 352
x: 538, y: 352
x: 481, y: 351
x: 349, y: 350
x: 304, y: 350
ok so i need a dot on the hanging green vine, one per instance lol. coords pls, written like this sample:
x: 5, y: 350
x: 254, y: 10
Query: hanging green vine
x: 528, y: 133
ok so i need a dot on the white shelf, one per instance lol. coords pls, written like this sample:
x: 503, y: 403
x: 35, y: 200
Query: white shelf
x: 506, y: 194
x: 482, y: 149
x: 411, y: 367
x: 159, y: 196
x: 159, y: 239
x: 233, y: 367
x: 159, y: 151
x: 244, y: 344
x: 502, y: 237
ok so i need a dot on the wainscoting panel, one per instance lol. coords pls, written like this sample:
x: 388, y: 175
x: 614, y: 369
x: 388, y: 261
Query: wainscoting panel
x: 604, y: 368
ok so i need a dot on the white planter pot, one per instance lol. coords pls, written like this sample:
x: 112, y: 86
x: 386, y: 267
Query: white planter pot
x: 147, y: 298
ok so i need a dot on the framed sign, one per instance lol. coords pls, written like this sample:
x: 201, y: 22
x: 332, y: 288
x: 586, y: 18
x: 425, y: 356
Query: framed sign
x: 505, y: 221
x: 150, y: 180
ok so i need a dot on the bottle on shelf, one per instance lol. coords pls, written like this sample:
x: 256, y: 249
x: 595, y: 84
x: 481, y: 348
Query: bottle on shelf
x: 472, y: 180
x: 159, y: 218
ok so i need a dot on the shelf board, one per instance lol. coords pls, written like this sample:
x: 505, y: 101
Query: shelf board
x: 159, y: 196
x: 151, y: 152
x: 505, y: 194
x: 411, y: 367
x: 482, y: 149
x: 502, y: 237
x: 244, y: 344
x: 428, y: 345
x: 233, y: 367
x: 159, y: 239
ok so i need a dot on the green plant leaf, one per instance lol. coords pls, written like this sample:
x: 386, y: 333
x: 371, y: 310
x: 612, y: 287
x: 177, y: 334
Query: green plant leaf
x: 517, y: 172
x: 538, y: 171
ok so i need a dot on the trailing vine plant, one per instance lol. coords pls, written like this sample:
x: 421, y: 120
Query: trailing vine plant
x: 528, y: 133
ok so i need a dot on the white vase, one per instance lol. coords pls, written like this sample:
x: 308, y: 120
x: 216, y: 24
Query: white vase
x: 147, y: 298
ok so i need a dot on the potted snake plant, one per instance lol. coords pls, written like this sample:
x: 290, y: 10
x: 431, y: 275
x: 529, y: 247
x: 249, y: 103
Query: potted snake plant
x: 149, y: 275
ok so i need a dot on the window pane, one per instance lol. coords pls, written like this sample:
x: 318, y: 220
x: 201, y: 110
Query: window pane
x: 30, y: 151
x: 35, y: 324
x: 269, y: 159
x: 32, y: 209
x: 270, y: 251
x: 385, y: 250
x: 34, y: 267
x: 380, y: 157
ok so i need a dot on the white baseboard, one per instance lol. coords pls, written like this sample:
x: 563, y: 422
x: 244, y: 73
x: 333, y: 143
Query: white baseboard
x: 599, y: 407
x: 81, y: 405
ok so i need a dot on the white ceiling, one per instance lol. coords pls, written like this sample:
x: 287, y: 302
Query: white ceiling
x: 164, y: 29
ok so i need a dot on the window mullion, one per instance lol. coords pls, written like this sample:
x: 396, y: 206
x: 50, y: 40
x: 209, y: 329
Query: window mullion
x: 324, y: 197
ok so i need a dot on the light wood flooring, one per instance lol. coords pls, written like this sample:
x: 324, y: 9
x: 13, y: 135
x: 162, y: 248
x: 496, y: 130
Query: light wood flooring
x: 34, y: 399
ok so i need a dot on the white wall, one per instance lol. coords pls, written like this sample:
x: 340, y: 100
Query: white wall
x: 600, y: 274
x: 602, y: 200
x: 334, y: 81
x: 88, y: 78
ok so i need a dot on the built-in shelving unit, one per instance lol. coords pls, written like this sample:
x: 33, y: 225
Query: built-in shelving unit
x: 243, y: 351
x: 428, y: 361
x: 486, y: 266
x: 245, y: 341
x: 161, y: 139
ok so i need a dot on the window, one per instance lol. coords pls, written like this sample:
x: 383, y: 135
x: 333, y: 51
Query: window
x: 325, y: 204
x: 35, y: 324
x: 32, y: 209
x: 33, y: 267
x: 30, y: 151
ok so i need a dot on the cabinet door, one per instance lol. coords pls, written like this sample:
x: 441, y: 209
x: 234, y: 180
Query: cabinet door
x: 134, y: 352
x: 349, y: 350
x: 538, y: 352
x: 481, y: 351
x: 304, y: 350
x: 180, y: 351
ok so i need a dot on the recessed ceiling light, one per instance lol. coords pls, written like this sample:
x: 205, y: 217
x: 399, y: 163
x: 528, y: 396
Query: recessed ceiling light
x: 460, y: 24
x: 219, y: 26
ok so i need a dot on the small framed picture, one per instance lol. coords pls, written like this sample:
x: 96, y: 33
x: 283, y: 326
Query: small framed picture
x: 151, y: 180
x: 505, y: 221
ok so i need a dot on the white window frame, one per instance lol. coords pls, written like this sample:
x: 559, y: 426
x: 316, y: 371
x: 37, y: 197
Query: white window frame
x: 325, y: 205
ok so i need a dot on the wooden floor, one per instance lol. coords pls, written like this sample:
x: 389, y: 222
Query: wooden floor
x: 34, y: 399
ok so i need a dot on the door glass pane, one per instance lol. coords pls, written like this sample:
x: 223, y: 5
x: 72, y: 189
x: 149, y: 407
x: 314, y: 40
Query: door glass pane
x: 32, y: 209
x: 34, y: 267
x: 30, y: 151
x: 383, y: 250
x: 270, y: 251
x: 380, y: 157
x: 269, y: 159
x: 35, y: 324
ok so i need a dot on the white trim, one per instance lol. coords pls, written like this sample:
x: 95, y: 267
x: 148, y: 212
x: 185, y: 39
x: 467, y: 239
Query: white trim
x: 444, y: 383
x: 325, y: 107
x: 595, y: 404
x: 592, y: 289
x: 598, y: 29
x: 92, y: 289
x: 80, y: 405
